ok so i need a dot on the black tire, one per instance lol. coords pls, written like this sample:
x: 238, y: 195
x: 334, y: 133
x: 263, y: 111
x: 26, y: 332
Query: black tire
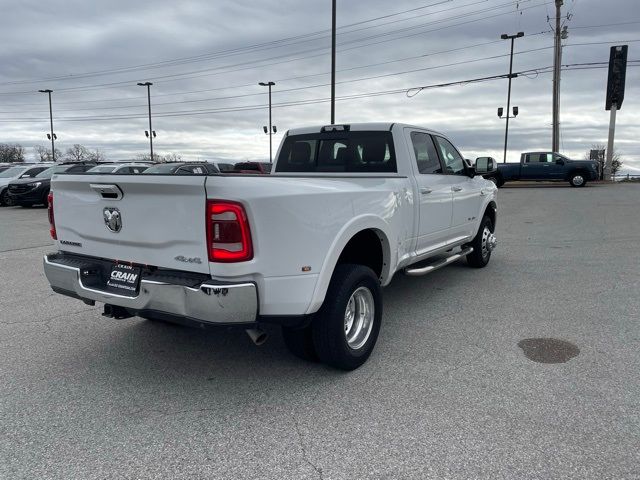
x: 577, y: 180
x: 479, y: 258
x: 328, y: 327
x: 5, y: 199
x: 299, y: 341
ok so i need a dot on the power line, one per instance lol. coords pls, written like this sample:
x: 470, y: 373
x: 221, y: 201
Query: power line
x: 208, y: 56
x: 252, y: 64
x: 186, y: 113
x: 360, y: 79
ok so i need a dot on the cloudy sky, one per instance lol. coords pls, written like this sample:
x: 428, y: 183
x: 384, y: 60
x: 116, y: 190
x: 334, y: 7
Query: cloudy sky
x: 205, y: 59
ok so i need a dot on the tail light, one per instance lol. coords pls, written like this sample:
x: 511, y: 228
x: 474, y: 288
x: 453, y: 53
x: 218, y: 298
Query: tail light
x: 228, y: 234
x: 52, y: 220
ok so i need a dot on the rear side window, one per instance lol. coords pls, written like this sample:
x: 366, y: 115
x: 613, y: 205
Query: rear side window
x: 369, y: 152
x: 425, y: 152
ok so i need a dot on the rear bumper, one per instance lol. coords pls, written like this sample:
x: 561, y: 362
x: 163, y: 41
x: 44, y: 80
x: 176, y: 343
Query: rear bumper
x: 208, y: 302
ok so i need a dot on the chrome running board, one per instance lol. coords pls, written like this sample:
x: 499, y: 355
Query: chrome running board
x: 417, y: 272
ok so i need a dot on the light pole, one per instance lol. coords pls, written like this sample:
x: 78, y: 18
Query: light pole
x: 51, y: 135
x: 151, y: 133
x: 333, y: 62
x: 504, y: 36
x: 271, y: 128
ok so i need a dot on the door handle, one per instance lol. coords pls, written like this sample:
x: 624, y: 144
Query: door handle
x: 425, y: 191
x: 456, y: 189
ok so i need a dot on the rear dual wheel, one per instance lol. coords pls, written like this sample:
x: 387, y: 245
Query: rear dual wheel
x: 344, y: 331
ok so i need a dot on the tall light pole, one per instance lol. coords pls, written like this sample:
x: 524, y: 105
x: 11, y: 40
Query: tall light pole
x: 559, y: 35
x: 151, y: 132
x: 333, y: 62
x: 504, y: 36
x: 269, y: 84
x: 53, y: 137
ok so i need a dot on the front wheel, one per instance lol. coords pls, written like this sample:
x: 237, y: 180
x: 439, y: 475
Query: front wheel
x: 483, y: 244
x: 5, y: 199
x: 577, y: 180
x: 346, y: 327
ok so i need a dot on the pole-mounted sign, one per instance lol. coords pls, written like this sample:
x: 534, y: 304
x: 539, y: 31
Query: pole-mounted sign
x: 615, y: 96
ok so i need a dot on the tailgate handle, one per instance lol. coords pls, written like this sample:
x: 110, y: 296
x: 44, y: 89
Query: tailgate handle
x: 107, y: 191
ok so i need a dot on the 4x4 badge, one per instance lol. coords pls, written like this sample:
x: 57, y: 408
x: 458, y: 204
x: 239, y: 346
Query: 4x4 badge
x: 112, y: 219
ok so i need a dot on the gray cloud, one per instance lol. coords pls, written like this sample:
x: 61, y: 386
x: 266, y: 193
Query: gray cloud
x: 65, y: 41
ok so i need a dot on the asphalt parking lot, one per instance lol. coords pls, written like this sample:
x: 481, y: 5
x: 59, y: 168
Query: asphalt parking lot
x: 447, y: 393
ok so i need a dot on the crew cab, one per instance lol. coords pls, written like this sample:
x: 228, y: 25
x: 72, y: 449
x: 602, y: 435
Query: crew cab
x: 547, y: 166
x: 308, y: 247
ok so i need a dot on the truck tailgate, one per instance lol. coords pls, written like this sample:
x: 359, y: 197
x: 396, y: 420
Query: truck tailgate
x: 162, y: 218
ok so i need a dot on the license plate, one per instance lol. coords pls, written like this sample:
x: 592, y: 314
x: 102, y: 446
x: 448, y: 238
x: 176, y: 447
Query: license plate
x: 125, y: 279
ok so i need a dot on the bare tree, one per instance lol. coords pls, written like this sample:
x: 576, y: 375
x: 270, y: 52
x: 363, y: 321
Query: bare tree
x: 96, y: 156
x: 11, y: 153
x: 43, y: 154
x: 77, y: 153
x: 169, y: 157
x: 616, y: 160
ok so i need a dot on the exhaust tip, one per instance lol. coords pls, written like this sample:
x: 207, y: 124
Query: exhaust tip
x: 257, y: 335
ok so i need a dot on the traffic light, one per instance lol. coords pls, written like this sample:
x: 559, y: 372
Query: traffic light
x: 617, y: 73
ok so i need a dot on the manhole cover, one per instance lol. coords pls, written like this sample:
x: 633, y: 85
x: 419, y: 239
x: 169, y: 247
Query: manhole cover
x: 548, y: 350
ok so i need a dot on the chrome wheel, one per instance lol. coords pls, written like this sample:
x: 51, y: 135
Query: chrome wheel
x: 358, y: 318
x: 489, y: 242
x: 577, y: 180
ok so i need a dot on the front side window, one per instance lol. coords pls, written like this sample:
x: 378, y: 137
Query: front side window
x: 343, y: 151
x: 425, y: 152
x: 453, y: 161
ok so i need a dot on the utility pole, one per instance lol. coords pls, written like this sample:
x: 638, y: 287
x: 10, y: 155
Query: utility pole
x: 557, y: 62
x: 504, y: 36
x: 52, y: 135
x: 333, y: 62
x: 271, y: 127
x: 151, y: 132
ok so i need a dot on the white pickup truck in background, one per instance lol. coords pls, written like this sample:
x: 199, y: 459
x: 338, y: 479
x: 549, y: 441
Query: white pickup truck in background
x: 308, y: 247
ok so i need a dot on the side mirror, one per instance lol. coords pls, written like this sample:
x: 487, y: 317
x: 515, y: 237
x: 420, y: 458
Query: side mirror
x: 485, y: 165
x: 559, y: 161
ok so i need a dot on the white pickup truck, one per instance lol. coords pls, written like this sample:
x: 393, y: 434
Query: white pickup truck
x: 307, y: 247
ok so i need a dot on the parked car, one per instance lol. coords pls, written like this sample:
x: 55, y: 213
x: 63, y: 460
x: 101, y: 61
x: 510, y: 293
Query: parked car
x: 253, y: 167
x: 23, y: 170
x: 548, y: 166
x: 27, y: 192
x: 121, y: 168
x: 224, y: 166
x: 346, y: 209
x: 182, y: 168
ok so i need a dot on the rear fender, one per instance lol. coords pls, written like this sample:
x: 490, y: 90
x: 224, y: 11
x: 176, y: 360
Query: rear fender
x: 358, y: 224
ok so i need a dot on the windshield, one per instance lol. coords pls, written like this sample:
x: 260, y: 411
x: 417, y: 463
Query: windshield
x: 102, y: 169
x: 13, y: 172
x: 166, y: 168
x: 48, y: 173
